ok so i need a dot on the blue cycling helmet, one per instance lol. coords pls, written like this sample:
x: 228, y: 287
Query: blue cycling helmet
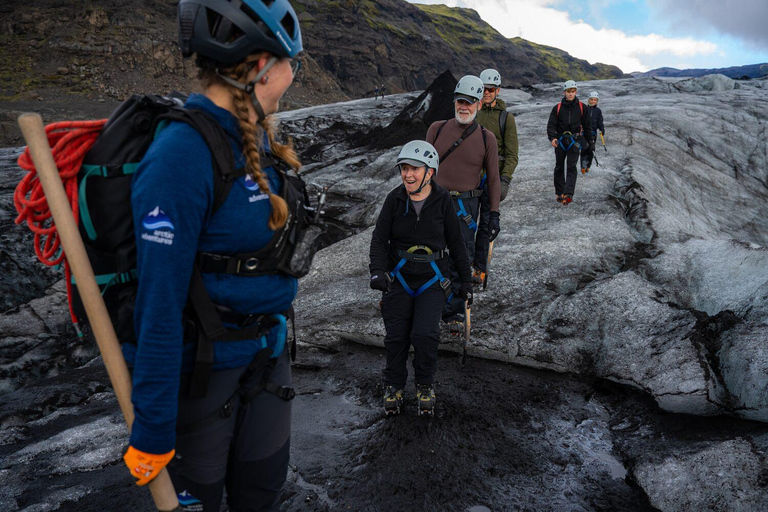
x: 227, y: 31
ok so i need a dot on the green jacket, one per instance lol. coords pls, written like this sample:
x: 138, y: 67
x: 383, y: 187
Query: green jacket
x: 489, y: 118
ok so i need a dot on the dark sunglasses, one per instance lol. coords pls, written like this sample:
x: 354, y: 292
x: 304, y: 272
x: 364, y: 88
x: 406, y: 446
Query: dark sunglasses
x: 489, y: 89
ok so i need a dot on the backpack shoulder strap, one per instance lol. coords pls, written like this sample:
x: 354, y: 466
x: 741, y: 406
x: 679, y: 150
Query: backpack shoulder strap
x: 581, y: 108
x: 485, y: 142
x: 503, y: 122
x: 469, y: 131
x: 221, y: 151
x: 559, y: 104
x: 441, y: 129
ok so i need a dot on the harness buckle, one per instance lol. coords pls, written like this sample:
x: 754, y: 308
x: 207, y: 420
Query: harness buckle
x: 445, y: 284
x: 467, y: 218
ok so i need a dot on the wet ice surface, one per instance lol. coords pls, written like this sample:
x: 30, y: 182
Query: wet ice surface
x: 654, y: 277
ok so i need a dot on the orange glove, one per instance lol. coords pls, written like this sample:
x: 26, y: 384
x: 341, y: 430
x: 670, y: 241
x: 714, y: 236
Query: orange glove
x: 145, y: 466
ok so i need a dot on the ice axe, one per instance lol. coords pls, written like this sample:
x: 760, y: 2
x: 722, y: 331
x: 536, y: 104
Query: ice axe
x: 603, y: 141
x: 488, y: 265
x: 34, y: 133
x: 467, y: 330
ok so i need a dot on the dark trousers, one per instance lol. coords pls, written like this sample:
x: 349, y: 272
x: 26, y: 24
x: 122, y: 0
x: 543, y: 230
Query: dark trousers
x: 411, y: 321
x: 565, y: 183
x: 483, y: 233
x: 247, y: 452
x: 586, y: 158
x: 456, y: 306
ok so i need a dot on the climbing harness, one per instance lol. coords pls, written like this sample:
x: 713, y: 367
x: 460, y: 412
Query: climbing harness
x: 427, y: 257
x: 462, y: 211
x: 572, y: 138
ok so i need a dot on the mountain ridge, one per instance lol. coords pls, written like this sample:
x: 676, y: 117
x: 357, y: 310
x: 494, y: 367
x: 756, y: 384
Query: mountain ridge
x: 54, y: 50
x: 748, y: 71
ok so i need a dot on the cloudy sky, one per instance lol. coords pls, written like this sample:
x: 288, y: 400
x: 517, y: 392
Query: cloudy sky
x: 636, y: 35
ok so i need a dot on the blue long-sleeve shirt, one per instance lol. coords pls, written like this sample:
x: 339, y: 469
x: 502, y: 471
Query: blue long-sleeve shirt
x: 172, y: 196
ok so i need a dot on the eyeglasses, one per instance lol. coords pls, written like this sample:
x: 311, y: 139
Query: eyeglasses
x: 295, y: 65
x: 489, y: 89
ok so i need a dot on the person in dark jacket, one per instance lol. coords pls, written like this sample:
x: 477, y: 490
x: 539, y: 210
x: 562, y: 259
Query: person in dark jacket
x: 595, y: 123
x: 409, y: 264
x: 229, y: 437
x: 567, y: 122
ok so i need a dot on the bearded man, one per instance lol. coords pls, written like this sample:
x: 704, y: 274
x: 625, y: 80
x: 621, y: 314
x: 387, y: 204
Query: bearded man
x: 466, y: 149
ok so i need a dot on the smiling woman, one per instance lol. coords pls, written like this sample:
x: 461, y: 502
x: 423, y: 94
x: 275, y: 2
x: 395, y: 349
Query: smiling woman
x: 414, y: 228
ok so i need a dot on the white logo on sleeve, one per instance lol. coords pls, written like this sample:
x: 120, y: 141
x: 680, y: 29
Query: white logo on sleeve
x: 158, y: 227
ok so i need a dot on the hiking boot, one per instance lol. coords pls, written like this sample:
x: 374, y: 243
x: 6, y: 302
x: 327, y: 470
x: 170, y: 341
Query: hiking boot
x: 425, y: 397
x: 559, y: 198
x: 567, y: 198
x: 478, y: 277
x: 393, y: 401
x: 456, y: 327
x: 584, y: 170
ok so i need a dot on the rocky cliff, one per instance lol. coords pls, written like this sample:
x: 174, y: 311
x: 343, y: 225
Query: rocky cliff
x: 69, y: 50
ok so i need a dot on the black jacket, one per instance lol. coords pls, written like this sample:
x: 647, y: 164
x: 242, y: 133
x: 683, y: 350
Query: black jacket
x: 596, y: 119
x: 437, y: 227
x: 570, y: 119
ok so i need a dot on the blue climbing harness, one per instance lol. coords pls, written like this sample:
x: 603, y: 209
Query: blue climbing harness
x: 573, y: 142
x: 462, y: 211
x: 430, y: 257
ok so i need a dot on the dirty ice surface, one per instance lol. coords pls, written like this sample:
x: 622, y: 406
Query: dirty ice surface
x: 647, y: 296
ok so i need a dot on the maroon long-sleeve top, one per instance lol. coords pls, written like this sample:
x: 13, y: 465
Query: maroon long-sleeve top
x: 462, y: 170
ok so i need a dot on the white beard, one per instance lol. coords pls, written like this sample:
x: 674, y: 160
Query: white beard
x: 465, y: 118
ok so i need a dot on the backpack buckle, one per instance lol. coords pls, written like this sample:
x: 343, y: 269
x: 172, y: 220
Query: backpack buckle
x: 250, y: 264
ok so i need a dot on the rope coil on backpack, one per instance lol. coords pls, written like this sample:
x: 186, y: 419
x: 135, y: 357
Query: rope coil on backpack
x: 69, y: 141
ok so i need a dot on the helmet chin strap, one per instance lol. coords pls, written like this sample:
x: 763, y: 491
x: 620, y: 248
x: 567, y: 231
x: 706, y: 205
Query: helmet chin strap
x: 424, y: 183
x: 249, y: 88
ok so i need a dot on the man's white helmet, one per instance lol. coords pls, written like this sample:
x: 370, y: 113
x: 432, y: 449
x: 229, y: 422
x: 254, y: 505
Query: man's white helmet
x: 419, y: 153
x: 594, y: 94
x: 491, y: 77
x: 469, y: 88
x: 569, y: 84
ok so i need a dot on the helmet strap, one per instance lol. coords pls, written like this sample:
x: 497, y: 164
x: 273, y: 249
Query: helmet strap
x: 250, y: 87
x: 424, y: 183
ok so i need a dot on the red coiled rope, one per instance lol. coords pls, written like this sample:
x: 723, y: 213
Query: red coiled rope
x: 70, y: 141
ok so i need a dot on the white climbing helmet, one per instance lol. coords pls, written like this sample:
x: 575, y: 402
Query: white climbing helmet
x: 594, y: 94
x: 419, y: 153
x: 469, y: 88
x: 491, y: 77
x: 569, y: 84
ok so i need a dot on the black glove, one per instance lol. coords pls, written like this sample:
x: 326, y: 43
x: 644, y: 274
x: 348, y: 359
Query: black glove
x: 380, y: 281
x: 504, y: 188
x: 493, y: 226
x: 466, y: 292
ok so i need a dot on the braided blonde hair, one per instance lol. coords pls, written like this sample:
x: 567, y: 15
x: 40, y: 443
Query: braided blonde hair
x: 253, y: 139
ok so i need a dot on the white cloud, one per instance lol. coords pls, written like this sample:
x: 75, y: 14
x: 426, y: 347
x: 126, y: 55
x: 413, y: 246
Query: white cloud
x: 539, y: 21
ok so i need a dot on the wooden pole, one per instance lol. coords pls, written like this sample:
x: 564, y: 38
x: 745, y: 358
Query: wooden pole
x: 98, y: 317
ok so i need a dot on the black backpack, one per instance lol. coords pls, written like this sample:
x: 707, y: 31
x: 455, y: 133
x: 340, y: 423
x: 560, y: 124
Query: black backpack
x: 106, y: 224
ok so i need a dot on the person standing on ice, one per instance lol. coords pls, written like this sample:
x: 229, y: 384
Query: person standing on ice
x: 595, y: 123
x: 415, y: 233
x: 466, y: 150
x: 493, y: 116
x: 237, y: 434
x: 567, y: 122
